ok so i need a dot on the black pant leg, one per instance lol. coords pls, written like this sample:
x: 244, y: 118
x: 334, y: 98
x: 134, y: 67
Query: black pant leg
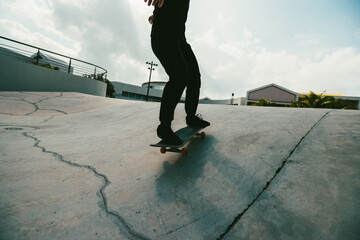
x: 194, y: 82
x: 171, y: 57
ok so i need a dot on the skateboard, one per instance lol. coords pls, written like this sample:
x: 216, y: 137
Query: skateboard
x: 185, y: 134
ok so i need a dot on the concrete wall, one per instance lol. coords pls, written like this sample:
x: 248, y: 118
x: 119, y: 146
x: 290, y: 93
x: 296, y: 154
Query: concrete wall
x: 19, y: 76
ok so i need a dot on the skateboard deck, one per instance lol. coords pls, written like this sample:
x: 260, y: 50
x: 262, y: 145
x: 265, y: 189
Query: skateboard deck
x: 185, y: 134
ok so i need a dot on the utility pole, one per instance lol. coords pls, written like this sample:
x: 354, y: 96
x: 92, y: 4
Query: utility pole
x: 151, y: 69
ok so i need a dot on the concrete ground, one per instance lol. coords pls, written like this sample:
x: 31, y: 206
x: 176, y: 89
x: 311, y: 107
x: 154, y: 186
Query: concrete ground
x: 75, y: 166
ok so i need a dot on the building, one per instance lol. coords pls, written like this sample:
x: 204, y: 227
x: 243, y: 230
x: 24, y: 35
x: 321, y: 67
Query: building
x: 283, y: 96
x: 273, y: 92
x: 128, y: 91
x: 154, y: 85
x: 232, y: 101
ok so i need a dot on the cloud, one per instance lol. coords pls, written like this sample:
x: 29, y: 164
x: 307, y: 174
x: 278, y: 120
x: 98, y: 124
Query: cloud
x: 237, y: 66
x: 33, y: 22
x: 115, y: 35
x: 102, y: 27
x: 129, y: 68
x: 101, y: 32
x: 36, y: 13
x: 20, y: 33
x: 337, y: 72
x: 112, y: 34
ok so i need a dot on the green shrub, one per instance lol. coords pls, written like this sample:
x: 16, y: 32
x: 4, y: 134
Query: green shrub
x: 314, y: 100
x: 263, y: 102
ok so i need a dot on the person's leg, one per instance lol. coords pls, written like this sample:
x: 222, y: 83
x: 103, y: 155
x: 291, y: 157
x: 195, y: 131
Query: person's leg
x: 171, y: 58
x: 194, y: 81
x: 193, y: 88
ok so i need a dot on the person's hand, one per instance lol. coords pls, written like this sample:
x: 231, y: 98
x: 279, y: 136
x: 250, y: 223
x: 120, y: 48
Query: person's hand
x: 151, y: 19
x: 154, y: 2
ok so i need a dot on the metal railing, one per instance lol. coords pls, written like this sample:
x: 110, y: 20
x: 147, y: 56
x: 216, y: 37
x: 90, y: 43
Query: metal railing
x: 42, y: 57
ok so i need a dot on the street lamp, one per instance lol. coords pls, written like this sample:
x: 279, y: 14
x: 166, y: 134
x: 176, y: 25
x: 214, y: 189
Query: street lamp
x: 151, y: 69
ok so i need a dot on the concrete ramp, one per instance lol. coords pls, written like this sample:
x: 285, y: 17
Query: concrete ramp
x: 75, y: 166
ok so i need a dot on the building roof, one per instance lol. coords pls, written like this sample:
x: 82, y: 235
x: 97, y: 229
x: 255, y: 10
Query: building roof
x: 325, y: 94
x: 45, y: 56
x: 273, y: 85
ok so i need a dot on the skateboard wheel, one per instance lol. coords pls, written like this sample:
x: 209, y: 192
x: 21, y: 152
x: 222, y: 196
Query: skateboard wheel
x: 202, y: 134
x: 163, y: 150
x: 184, y: 151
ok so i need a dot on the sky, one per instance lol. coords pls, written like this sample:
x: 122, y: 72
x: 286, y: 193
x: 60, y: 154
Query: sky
x: 302, y: 45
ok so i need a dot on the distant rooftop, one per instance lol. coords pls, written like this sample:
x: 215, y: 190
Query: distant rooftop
x: 325, y: 94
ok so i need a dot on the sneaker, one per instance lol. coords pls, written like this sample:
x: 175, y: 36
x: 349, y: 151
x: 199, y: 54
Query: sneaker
x: 167, y: 135
x: 196, y: 121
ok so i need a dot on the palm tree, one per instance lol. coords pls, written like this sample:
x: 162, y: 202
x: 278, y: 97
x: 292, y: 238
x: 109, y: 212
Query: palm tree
x: 314, y: 101
x: 343, y: 104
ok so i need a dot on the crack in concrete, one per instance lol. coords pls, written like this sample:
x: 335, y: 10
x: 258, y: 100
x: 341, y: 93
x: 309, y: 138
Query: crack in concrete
x: 46, y: 120
x: 238, y: 217
x: 185, y: 225
x: 103, y: 203
x: 35, y: 105
x: 54, y: 110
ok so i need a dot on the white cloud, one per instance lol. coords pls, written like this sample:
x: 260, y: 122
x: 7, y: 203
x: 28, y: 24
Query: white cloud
x: 115, y: 35
x: 337, y: 72
x: 237, y: 66
x: 19, y: 32
x: 129, y: 69
x: 36, y: 12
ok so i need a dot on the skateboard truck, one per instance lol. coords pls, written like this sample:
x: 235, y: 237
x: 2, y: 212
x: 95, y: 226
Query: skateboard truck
x: 183, y: 151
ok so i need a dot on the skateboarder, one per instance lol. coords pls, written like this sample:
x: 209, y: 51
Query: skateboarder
x: 169, y: 44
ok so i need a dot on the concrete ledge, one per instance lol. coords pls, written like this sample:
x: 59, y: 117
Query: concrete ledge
x: 19, y: 76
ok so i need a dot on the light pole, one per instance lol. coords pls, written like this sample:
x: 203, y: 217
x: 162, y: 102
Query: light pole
x: 151, y: 69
